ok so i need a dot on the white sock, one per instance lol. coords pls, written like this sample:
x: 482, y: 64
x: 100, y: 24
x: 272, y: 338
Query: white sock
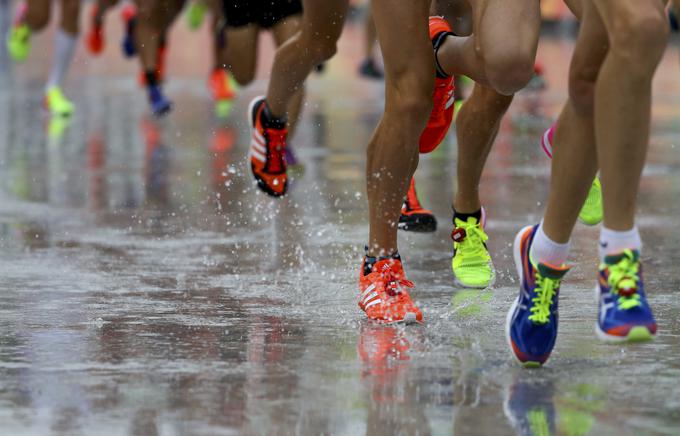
x: 614, y: 242
x: 64, y: 49
x: 545, y: 250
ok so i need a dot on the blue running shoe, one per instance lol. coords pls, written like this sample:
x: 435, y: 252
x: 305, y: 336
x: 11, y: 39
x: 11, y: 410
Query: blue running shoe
x: 160, y: 105
x: 531, y: 324
x: 624, y: 315
x: 129, y: 14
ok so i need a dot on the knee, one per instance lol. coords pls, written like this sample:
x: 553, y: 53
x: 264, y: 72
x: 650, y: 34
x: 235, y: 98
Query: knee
x: 639, y: 36
x: 509, y: 69
x: 409, y: 99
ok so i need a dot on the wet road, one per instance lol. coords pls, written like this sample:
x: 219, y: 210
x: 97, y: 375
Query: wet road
x: 148, y: 288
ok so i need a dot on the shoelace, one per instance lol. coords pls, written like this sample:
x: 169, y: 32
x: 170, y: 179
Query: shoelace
x: 545, y: 290
x: 472, y: 245
x: 623, y: 279
x: 394, y: 283
x: 276, y: 150
x: 440, y: 100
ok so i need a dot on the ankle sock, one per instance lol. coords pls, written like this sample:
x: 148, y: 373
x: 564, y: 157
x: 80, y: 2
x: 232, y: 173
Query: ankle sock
x: 464, y: 216
x: 545, y: 250
x: 369, y: 261
x: 614, y: 242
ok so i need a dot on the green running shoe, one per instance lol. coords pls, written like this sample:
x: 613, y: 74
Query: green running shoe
x: 19, y: 42
x: 471, y: 263
x: 57, y: 103
x: 592, y: 213
x: 195, y: 15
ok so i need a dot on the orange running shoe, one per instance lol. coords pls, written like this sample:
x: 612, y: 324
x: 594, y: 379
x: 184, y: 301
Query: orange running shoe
x: 414, y: 218
x: 219, y: 85
x: 95, y: 36
x: 441, y: 116
x: 267, y: 154
x: 384, y: 297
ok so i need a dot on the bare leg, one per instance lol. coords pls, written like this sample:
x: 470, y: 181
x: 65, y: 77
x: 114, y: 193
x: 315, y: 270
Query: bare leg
x: 393, y: 150
x: 240, y: 54
x: 283, y: 31
x: 369, y: 34
x: 322, y: 24
x: 38, y: 14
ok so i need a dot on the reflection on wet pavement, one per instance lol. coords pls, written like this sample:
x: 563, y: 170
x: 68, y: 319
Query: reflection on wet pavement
x: 148, y: 288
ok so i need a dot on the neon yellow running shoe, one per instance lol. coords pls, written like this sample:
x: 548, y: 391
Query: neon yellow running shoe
x: 19, y: 42
x: 195, y: 14
x: 57, y: 103
x: 592, y: 213
x: 471, y: 263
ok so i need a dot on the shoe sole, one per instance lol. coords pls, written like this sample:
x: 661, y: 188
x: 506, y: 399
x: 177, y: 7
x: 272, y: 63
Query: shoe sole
x: 508, y: 318
x: 422, y: 224
x: 636, y: 334
x: 260, y: 184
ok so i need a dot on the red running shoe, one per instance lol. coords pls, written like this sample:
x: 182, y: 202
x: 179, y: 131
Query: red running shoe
x: 441, y: 116
x: 267, y: 154
x: 384, y: 296
x: 415, y: 218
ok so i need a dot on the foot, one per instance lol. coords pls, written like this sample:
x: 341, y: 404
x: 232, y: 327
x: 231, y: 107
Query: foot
x: 441, y: 116
x: 267, y: 151
x: 531, y: 324
x: 19, y: 39
x: 57, y: 103
x: 471, y: 264
x: 370, y: 70
x: 414, y: 218
x: 195, y: 15
x: 129, y: 15
x: 384, y: 296
x: 95, y: 35
x: 160, y: 105
x: 592, y: 211
x: 624, y: 315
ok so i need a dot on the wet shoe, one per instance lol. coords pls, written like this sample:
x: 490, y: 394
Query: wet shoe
x: 219, y: 85
x: 592, y: 212
x: 195, y: 14
x: 471, y: 264
x: 129, y: 16
x: 384, y: 296
x: 414, y: 218
x: 267, y: 154
x: 160, y: 105
x: 94, y: 40
x: 19, y: 38
x: 441, y: 116
x: 624, y: 314
x: 370, y: 70
x: 57, y: 103
x: 531, y: 324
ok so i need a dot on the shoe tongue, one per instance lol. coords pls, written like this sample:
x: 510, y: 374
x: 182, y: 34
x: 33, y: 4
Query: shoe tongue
x: 552, y: 272
x: 385, y: 265
x: 613, y: 259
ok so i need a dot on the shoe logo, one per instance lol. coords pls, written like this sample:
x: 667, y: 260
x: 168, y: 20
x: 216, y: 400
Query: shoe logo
x: 451, y: 100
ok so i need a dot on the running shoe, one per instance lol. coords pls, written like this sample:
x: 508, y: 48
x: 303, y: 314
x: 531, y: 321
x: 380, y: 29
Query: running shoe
x: 160, y: 105
x: 267, y: 154
x: 471, y: 264
x: 57, y: 103
x: 384, y: 296
x: 592, y: 211
x: 195, y: 14
x: 129, y: 15
x: 531, y: 324
x: 19, y: 39
x: 219, y: 85
x: 441, y: 116
x: 95, y: 35
x: 624, y: 315
x: 414, y: 218
x: 370, y: 70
